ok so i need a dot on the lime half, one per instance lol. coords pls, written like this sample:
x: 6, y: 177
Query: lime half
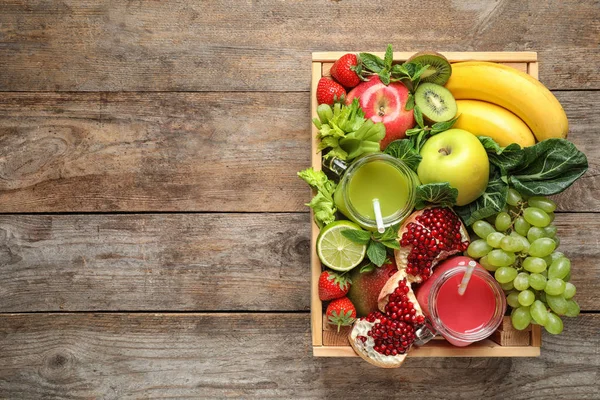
x: 337, y: 251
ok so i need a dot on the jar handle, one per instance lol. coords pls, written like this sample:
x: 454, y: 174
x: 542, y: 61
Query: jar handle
x: 424, y: 333
x: 336, y: 166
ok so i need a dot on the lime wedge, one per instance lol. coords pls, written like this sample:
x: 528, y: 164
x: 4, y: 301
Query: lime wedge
x: 336, y: 251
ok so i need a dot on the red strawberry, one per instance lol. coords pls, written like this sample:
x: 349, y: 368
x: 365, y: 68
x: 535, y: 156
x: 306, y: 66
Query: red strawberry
x: 333, y: 285
x: 341, y: 312
x: 341, y: 71
x: 329, y: 91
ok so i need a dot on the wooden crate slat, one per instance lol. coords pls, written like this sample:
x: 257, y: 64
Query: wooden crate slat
x: 452, y: 56
x: 485, y: 348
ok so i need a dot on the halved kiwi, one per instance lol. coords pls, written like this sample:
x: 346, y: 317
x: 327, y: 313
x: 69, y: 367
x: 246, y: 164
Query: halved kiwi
x: 435, y: 102
x: 439, y: 70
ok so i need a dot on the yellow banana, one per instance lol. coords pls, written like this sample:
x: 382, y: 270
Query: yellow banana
x: 514, y: 90
x: 486, y: 119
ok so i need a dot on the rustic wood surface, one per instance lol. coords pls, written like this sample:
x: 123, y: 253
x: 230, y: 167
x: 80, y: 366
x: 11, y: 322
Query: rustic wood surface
x: 153, y: 237
x: 126, y: 356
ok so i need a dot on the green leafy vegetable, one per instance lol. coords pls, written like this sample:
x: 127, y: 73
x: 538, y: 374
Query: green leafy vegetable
x: 322, y: 203
x: 345, y: 131
x: 439, y: 194
x: 502, y: 157
x: 403, y: 150
x: 489, y: 203
x: 547, y: 168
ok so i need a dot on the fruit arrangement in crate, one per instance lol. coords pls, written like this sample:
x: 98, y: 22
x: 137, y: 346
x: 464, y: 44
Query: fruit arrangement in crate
x: 433, y: 232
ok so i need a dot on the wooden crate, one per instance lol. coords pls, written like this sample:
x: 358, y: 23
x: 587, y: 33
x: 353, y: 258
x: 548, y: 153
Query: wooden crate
x: 506, y: 341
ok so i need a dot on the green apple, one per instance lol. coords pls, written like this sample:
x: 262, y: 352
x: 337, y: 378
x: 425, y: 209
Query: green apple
x: 457, y: 157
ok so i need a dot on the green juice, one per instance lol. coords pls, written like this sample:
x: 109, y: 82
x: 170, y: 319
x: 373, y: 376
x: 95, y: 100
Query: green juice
x: 376, y: 179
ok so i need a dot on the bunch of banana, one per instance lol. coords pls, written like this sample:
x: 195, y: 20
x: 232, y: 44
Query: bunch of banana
x: 506, y: 104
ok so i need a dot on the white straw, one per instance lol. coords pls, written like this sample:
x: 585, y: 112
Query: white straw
x: 378, y: 217
x: 466, y: 278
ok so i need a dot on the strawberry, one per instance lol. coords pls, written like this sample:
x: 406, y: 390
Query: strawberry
x: 342, y: 71
x: 341, y: 312
x: 329, y: 91
x: 333, y: 285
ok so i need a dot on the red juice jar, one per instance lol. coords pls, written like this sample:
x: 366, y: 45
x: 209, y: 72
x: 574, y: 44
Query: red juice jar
x: 465, y: 319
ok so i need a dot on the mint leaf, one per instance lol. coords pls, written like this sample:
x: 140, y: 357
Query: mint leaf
x: 420, y: 70
x: 403, y: 150
x: 391, y: 232
x: 410, y: 103
x: 384, y: 75
x: 367, y: 268
x: 440, y: 194
x: 418, y: 140
x: 376, y: 253
x: 413, y: 131
x: 399, y: 70
x: 418, y: 116
x: 439, y: 127
x: 371, y: 62
x: 389, y: 57
x: 360, y: 237
x: 392, y: 244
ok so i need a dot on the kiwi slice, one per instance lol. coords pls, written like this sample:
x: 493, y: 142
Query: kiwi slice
x: 439, y: 70
x: 435, y: 102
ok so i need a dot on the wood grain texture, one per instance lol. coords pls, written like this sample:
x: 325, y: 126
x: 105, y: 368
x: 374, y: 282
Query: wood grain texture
x: 159, y: 151
x: 188, y: 151
x: 193, y: 261
x: 90, y: 45
x: 125, y: 356
x: 154, y: 262
x: 584, y: 126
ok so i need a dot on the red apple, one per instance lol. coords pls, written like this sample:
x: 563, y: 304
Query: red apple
x: 385, y: 104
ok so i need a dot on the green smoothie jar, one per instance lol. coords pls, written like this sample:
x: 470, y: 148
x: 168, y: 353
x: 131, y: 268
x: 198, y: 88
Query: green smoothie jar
x: 375, y: 178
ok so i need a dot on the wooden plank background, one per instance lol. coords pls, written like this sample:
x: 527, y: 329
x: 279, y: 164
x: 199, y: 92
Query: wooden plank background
x: 153, y: 237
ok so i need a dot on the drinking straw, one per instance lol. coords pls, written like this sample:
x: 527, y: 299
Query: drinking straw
x: 466, y: 278
x: 378, y: 217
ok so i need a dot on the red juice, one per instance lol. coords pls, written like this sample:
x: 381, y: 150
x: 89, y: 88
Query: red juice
x: 464, y: 319
x: 470, y: 312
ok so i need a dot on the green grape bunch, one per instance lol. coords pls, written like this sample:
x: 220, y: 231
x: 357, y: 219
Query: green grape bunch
x: 518, y: 245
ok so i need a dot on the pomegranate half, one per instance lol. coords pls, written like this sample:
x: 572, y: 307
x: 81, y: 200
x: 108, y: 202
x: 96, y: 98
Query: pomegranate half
x: 384, y: 338
x: 427, y: 237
